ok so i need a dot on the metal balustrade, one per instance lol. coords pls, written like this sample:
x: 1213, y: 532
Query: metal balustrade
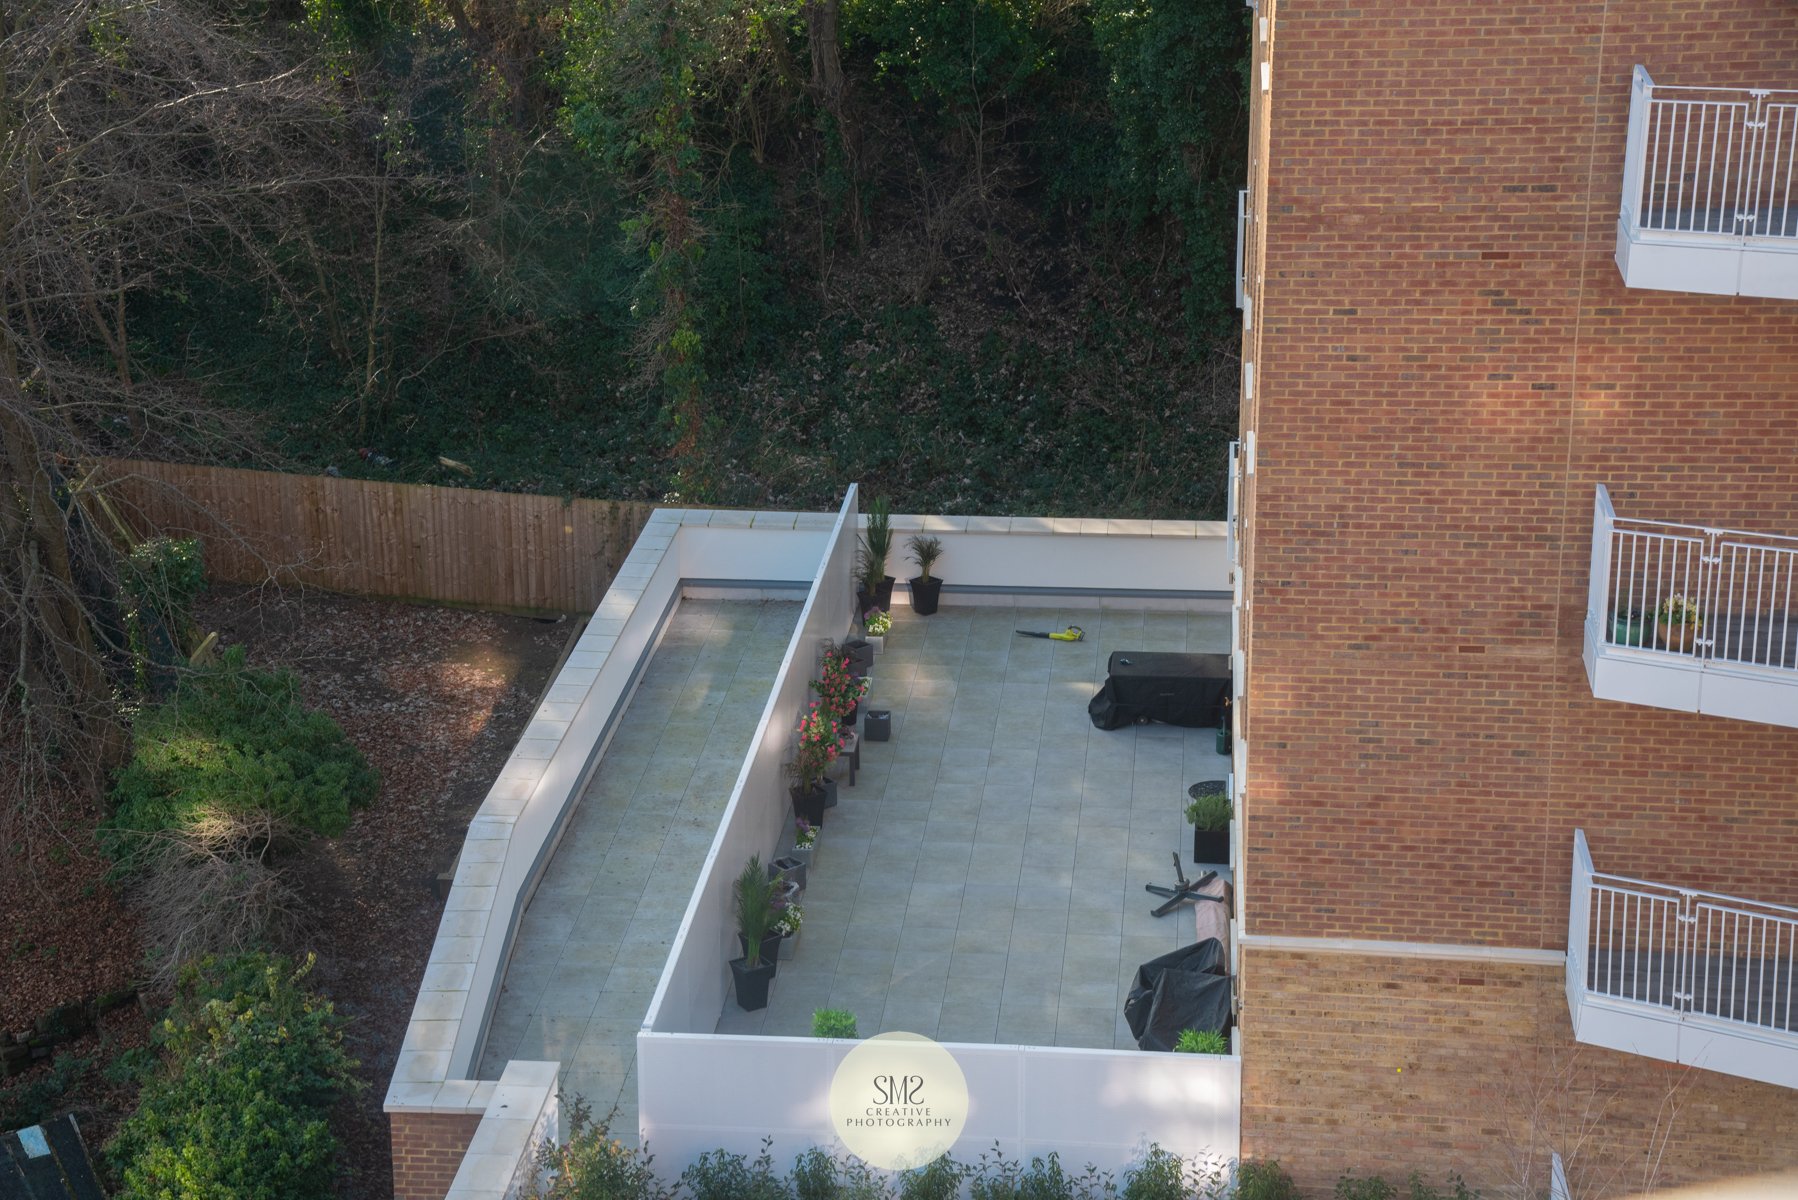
x: 1681, y: 950
x: 1737, y: 591
x: 1711, y: 162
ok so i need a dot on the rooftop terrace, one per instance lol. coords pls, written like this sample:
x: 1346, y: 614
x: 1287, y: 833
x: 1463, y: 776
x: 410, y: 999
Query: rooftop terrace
x: 981, y: 882
x: 983, y: 879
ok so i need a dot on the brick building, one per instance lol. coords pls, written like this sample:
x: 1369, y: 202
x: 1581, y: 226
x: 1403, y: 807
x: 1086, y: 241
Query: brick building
x: 1475, y: 386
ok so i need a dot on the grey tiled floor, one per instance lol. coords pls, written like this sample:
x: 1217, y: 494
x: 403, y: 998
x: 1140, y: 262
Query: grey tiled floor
x: 592, y: 943
x: 983, y: 881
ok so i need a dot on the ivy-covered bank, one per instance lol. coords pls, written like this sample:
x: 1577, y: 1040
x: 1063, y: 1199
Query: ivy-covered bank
x: 979, y: 257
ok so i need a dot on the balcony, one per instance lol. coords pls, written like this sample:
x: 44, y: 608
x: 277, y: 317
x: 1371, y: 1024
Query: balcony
x: 1708, y: 191
x: 1682, y: 975
x: 1736, y: 655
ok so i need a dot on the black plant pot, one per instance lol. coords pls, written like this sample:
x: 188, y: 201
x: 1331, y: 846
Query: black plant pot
x: 1211, y: 846
x: 809, y: 804
x: 770, y: 948
x: 879, y: 726
x: 847, y: 720
x: 792, y: 868
x: 861, y: 656
x: 883, y: 595
x: 924, y: 595
x: 830, y: 793
x: 864, y: 602
x: 752, y: 982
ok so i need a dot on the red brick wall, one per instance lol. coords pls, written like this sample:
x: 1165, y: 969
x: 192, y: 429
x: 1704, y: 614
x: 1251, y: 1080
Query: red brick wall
x: 1387, y: 1066
x: 1447, y: 362
x: 427, y: 1149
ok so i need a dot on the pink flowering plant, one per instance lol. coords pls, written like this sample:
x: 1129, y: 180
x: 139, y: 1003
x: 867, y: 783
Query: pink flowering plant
x: 837, y: 689
x: 817, y: 748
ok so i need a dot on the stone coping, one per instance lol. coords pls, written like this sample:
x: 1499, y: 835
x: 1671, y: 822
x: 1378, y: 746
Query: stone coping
x: 422, y: 1079
x: 522, y: 1110
x: 1056, y: 526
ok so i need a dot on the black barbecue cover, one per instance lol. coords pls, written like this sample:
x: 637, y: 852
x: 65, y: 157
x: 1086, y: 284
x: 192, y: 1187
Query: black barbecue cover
x: 1187, y: 989
x: 1105, y: 711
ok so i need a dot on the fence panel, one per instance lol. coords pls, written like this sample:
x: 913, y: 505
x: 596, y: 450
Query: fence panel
x: 490, y: 549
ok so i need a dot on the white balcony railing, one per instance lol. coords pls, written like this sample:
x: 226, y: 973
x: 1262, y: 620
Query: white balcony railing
x: 1716, y: 607
x: 1243, y: 216
x: 1710, y: 190
x: 1681, y: 974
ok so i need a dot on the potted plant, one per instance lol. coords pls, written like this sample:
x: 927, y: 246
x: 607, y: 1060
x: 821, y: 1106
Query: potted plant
x: 877, y: 545
x: 815, y: 751
x: 789, y: 867
x: 753, y: 901
x: 1209, y: 814
x: 789, y: 917
x: 926, y: 588
x: 833, y: 1023
x: 1676, y: 623
x: 839, y: 688
x: 860, y: 652
x: 879, y: 622
x: 1201, y: 1041
x: 805, y: 842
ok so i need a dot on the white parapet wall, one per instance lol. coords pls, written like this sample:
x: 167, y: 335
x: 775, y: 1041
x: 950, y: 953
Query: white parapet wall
x: 698, y: 1092
x: 1092, y: 560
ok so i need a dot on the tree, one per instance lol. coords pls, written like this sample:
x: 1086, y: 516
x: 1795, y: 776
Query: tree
x: 140, y: 141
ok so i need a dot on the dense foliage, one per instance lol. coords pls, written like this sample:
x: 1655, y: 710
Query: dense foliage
x: 252, y: 1065
x: 592, y: 1165
x: 976, y: 256
x: 236, y: 740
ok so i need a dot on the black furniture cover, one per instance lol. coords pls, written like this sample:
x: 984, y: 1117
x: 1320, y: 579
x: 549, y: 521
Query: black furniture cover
x: 1187, y: 989
x: 1175, y: 689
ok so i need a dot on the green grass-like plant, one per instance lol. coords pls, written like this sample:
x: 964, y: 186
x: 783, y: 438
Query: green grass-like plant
x: 1201, y: 1041
x: 833, y: 1023
x: 1212, y: 811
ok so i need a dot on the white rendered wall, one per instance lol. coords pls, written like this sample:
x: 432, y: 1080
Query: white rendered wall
x: 1012, y: 557
x: 699, y: 1092
x: 696, y: 977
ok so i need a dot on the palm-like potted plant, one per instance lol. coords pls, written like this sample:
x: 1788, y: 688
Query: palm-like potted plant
x: 1676, y: 623
x: 877, y: 546
x: 816, y: 749
x: 926, y: 589
x: 1210, y: 813
x: 752, y: 899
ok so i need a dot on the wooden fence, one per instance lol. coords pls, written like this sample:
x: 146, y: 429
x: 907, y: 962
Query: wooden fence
x: 488, y: 549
